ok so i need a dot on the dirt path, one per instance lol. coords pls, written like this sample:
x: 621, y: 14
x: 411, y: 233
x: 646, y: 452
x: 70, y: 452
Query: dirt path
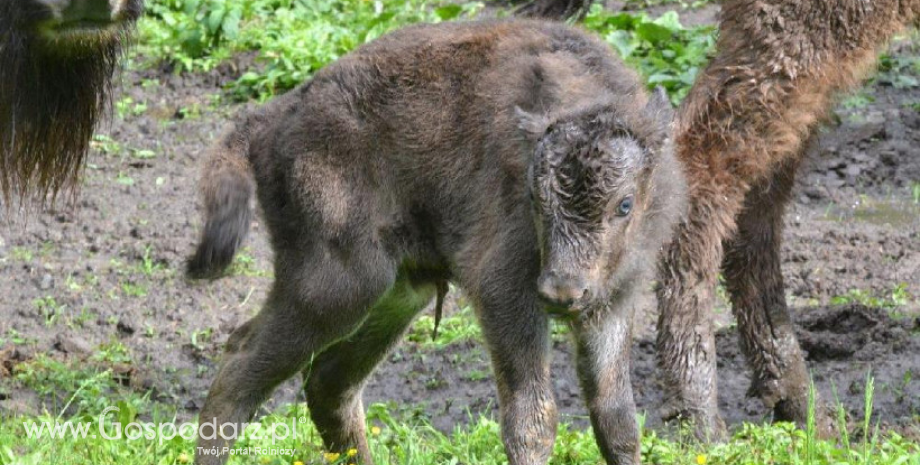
x: 109, y: 270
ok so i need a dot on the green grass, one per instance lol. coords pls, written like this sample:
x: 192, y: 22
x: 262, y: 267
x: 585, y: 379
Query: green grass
x: 898, y: 296
x: 460, y: 327
x: 83, y: 390
x: 80, y: 389
x: 244, y: 264
x: 902, y: 72
x: 295, y: 38
x: 663, y: 51
x: 49, y: 309
x: 857, y: 100
x: 95, y: 393
x: 25, y: 255
x: 456, y: 328
x: 398, y: 440
x: 128, y: 107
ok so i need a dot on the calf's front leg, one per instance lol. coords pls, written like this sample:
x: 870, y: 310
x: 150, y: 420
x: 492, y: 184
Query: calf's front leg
x: 517, y: 333
x: 603, y: 341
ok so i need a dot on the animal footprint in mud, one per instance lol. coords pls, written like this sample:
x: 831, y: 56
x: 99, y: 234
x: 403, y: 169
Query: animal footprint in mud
x: 849, y: 332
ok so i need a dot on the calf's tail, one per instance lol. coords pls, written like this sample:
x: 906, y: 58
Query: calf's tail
x: 227, y: 186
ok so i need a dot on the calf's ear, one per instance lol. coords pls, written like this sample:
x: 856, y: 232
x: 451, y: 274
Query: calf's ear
x: 533, y: 125
x: 660, y: 109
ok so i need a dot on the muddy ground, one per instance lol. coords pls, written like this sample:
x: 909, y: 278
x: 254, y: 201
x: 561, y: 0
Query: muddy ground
x: 109, y: 269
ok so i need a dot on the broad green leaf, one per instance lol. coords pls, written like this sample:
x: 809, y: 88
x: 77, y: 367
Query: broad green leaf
x: 231, y: 24
x: 670, y: 20
x: 448, y: 12
x: 653, y: 32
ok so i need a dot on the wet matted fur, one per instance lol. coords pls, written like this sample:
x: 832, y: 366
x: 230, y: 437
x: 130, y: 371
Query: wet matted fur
x: 741, y: 133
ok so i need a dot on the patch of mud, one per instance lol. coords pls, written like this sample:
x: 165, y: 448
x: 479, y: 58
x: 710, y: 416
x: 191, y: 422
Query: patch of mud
x: 853, y: 333
x: 843, y: 344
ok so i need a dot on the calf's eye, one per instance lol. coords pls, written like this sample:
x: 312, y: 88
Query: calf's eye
x: 625, y: 206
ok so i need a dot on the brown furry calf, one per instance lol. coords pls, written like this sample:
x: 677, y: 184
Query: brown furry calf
x: 57, y: 58
x: 520, y: 160
x: 741, y: 134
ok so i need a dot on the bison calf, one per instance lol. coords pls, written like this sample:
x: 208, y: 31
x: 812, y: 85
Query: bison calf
x: 518, y: 159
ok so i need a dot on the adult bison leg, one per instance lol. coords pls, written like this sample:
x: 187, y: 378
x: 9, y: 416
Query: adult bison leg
x: 686, y: 345
x: 755, y: 285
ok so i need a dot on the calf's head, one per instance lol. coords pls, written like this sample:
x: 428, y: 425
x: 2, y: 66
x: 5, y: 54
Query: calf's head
x: 57, y: 58
x: 593, y: 183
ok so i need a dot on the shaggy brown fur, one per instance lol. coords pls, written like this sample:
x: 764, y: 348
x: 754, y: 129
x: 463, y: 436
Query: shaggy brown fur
x: 56, y: 64
x: 518, y: 159
x: 742, y: 131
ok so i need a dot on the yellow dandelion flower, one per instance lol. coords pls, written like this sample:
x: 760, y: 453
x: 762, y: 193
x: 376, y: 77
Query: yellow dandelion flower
x: 375, y: 430
x: 298, y: 463
x: 183, y: 458
x: 352, y: 452
x: 331, y: 456
x: 701, y: 459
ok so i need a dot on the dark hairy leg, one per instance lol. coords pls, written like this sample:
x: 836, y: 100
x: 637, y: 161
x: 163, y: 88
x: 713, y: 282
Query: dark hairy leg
x: 335, y: 380
x: 603, y: 342
x: 316, y: 299
x: 754, y: 281
x: 685, y: 342
x: 516, y: 330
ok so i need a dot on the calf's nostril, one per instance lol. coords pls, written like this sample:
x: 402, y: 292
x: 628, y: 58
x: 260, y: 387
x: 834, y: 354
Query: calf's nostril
x: 555, y: 300
x: 546, y: 290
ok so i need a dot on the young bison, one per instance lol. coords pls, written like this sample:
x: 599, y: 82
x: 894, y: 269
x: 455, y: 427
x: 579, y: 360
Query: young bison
x: 741, y: 135
x: 57, y: 58
x: 518, y: 159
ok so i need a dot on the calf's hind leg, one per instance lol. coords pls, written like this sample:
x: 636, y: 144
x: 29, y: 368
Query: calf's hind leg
x: 316, y: 299
x: 335, y: 380
x: 754, y: 281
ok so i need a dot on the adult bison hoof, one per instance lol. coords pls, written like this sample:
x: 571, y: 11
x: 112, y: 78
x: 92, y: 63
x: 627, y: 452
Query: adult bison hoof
x: 706, y: 426
x: 797, y: 412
